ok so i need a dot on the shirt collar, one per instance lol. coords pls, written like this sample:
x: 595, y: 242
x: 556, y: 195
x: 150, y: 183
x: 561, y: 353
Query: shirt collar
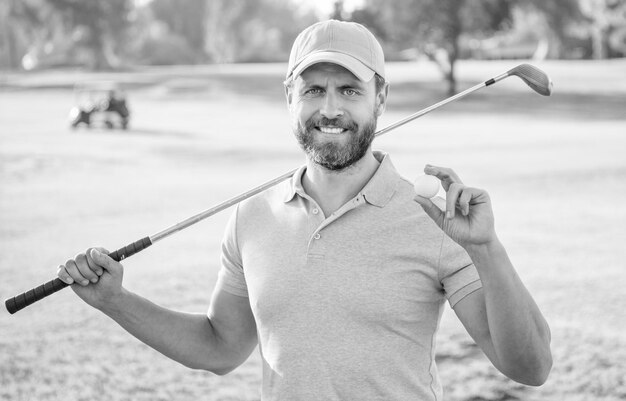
x: 381, y: 187
x: 294, y: 185
x: 378, y: 191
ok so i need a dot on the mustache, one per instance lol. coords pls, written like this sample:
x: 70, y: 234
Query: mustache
x: 335, y: 122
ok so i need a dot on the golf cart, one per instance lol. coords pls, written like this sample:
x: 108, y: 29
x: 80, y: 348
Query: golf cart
x: 99, y: 104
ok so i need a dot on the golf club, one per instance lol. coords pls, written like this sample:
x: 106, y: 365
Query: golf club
x: 532, y: 76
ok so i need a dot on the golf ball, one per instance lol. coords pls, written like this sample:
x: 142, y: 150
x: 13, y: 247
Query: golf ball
x: 426, y: 186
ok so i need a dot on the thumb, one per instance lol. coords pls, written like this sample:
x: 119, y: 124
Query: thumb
x: 105, y: 261
x: 430, y: 208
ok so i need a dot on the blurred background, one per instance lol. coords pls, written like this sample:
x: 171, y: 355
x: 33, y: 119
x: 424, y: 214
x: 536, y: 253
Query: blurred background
x: 119, y: 34
x: 195, y: 87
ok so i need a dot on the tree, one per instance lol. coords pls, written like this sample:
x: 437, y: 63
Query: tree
x: 607, y: 19
x: 600, y: 23
x: 102, y: 24
x: 184, y: 18
x: 23, y: 23
x: 338, y: 12
x: 435, y: 27
x: 559, y: 16
x: 39, y: 33
x: 253, y: 30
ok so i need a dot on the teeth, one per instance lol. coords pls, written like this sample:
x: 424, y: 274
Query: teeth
x: 331, y: 130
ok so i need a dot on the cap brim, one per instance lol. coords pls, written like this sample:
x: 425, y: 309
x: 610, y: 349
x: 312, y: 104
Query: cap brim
x: 360, y: 70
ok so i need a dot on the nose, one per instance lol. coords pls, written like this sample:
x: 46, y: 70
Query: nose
x: 331, y: 106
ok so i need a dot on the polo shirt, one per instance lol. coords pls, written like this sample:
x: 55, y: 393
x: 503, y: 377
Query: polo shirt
x: 346, y: 306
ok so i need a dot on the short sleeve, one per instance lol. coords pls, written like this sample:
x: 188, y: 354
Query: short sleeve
x: 231, y: 276
x: 457, y: 273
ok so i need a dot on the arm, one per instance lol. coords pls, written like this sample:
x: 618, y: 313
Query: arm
x: 502, y: 317
x: 218, y: 342
x: 504, y: 320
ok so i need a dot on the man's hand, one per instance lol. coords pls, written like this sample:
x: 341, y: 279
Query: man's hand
x: 96, y: 277
x: 468, y: 217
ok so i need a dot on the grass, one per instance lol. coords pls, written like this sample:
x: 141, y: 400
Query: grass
x: 554, y: 168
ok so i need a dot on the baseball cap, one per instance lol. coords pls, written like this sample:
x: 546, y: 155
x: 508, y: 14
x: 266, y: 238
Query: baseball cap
x: 347, y: 44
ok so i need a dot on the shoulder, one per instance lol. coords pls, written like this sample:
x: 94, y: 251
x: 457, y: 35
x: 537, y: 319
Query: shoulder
x: 403, y: 205
x: 262, y: 205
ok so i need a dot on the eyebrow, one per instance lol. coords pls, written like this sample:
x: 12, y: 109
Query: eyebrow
x: 356, y: 85
x: 353, y: 84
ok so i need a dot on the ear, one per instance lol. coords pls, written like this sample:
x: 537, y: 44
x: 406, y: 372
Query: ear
x: 289, y: 92
x: 381, y: 100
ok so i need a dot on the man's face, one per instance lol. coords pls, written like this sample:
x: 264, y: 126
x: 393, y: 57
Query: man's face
x: 334, y: 114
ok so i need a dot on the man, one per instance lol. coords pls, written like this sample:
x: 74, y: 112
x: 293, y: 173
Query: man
x: 340, y: 274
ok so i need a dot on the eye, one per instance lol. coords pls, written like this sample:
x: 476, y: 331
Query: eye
x: 313, y: 91
x: 350, y: 92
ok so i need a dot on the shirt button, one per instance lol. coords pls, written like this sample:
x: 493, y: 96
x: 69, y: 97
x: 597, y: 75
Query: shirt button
x: 315, y: 211
x: 317, y: 236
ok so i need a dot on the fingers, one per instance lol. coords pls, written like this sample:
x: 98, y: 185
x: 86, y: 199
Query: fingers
x: 100, y: 256
x: 461, y: 197
x: 464, y: 201
x: 457, y: 194
x: 464, y: 198
x: 96, y: 268
x: 64, y: 276
x: 74, y: 273
x: 452, y: 196
x: 447, y: 176
x: 84, y: 268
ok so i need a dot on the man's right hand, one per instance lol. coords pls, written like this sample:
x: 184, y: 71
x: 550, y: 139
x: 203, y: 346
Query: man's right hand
x: 96, y: 277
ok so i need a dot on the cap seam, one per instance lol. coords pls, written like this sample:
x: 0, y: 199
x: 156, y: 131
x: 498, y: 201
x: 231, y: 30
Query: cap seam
x: 370, y: 44
x: 369, y: 38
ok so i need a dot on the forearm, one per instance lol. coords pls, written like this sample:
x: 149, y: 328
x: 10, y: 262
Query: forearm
x: 184, y: 337
x: 519, y: 333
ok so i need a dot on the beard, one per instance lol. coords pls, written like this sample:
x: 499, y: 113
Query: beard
x: 335, y: 156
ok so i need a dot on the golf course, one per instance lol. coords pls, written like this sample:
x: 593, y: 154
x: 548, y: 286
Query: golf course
x: 555, y: 168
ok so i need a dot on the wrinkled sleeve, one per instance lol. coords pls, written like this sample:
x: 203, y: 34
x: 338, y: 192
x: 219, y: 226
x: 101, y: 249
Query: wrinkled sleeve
x: 457, y: 273
x: 231, y: 276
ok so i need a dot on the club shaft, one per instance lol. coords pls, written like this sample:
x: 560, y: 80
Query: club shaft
x: 430, y: 108
x: 218, y: 208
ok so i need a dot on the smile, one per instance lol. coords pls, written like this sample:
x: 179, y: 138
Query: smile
x: 331, y: 130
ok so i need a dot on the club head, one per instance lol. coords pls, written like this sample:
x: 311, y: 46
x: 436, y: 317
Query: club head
x: 534, y: 77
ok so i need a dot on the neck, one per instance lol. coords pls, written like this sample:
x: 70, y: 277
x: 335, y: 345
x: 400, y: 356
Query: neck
x: 332, y: 189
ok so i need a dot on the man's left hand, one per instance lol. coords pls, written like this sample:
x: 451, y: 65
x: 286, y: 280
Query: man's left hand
x: 468, y: 217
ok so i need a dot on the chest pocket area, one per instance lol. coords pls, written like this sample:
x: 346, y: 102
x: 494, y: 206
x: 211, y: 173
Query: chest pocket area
x: 381, y: 286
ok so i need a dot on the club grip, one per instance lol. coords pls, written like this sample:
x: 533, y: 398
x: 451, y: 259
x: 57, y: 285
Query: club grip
x: 130, y: 250
x: 24, y: 299
x: 29, y: 297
